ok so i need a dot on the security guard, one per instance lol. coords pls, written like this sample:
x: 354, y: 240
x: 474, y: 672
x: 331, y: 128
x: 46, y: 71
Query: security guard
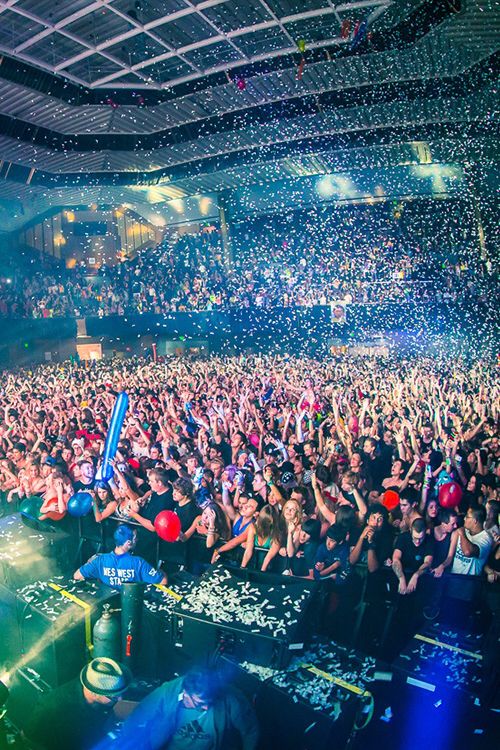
x: 120, y: 566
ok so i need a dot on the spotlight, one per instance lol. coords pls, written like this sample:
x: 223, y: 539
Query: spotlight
x: 4, y: 693
x: 5, y: 678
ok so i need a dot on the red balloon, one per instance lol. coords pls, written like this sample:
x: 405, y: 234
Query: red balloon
x: 53, y: 515
x: 168, y: 525
x: 450, y: 495
x: 345, y: 29
x: 390, y: 499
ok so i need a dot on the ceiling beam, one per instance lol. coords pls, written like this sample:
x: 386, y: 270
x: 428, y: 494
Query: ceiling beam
x: 277, y: 20
x: 360, y: 4
x: 51, y: 27
x: 218, y: 31
x: 171, y: 52
x: 150, y: 32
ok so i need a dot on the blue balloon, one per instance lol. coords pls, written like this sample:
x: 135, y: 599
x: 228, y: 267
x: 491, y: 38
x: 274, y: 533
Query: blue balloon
x: 105, y: 471
x: 80, y: 504
x: 360, y: 33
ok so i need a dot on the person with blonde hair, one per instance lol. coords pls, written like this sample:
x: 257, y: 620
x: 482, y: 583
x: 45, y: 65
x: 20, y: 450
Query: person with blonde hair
x: 291, y: 518
x: 264, y: 535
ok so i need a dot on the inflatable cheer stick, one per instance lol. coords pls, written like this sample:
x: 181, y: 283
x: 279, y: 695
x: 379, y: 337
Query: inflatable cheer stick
x: 105, y: 471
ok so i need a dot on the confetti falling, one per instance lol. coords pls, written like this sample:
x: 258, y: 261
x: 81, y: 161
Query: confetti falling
x: 426, y: 259
x: 352, y: 195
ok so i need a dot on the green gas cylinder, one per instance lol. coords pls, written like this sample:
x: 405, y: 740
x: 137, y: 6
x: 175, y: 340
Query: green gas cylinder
x: 106, y: 634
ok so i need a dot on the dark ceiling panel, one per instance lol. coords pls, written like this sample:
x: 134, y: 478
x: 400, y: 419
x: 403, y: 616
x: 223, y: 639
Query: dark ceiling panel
x: 356, y: 13
x: 233, y: 16
x: 93, y: 68
x: 283, y: 8
x: 52, y: 11
x: 167, y: 70
x: 54, y: 49
x: 265, y: 40
x: 314, y: 29
x: 15, y: 29
x: 220, y: 53
x: 185, y: 30
x: 146, y: 11
x: 99, y: 26
x: 132, y: 78
x: 136, y: 49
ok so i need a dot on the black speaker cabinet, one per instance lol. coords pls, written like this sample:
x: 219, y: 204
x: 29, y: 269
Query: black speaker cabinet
x: 256, y: 617
x: 294, y: 724
x: 55, y: 625
x: 157, y: 650
x: 300, y: 709
x: 27, y: 554
x: 438, y: 659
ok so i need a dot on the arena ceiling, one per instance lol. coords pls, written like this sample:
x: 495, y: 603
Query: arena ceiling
x: 159, y: 44
x: 198, y: 95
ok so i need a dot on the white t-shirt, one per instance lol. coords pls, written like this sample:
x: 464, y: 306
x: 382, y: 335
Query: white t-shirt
x: 472, y: 566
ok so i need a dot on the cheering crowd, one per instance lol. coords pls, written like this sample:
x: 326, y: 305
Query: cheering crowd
x: 317, y: 469
x: 357, y: 254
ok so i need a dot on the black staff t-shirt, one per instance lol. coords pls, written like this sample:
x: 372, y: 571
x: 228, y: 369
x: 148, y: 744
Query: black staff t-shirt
x: 187, y: 513
x: 412, y: 557
x: 156, y: 503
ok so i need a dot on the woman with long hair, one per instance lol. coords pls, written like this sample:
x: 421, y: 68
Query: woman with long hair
x: 56, y: 496
x: 104, y: 504
x: 431, y: 514
x: 291, y: 520
x: 266, y: 536
x: 211, y: 525
x: 241, y: 521
x: 209, y: 528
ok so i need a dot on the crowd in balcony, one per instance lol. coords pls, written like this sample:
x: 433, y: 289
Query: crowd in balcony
x: 419, y: 252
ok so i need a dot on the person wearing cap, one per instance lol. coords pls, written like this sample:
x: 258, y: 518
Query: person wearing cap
x: 78, y: 446
x: 120, y: 566
x: 75, y: 715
